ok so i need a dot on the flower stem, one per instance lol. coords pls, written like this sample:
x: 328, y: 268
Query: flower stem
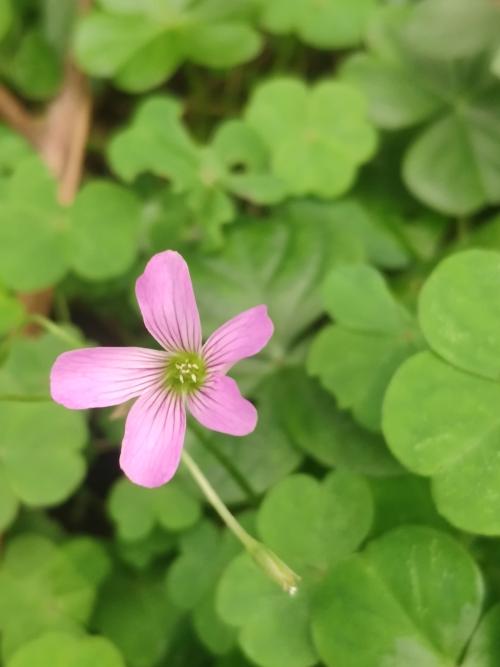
x: 25, y: 398
x: 225, y: 462
x: 273, y: 566
x: 56, y: 330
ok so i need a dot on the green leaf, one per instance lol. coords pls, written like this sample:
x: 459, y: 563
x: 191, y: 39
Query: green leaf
x: 356, y: 358
x: 450, y: 164
x: 434, y: 165
x: 313, y: 525
x: 395, y: 101
x: 134, y: 613
x: 221, y: 45
x: 141, y: 45
x: 459, y: 309
x: 38, y: 475
x: 273, y: 625
x: 278, y: 261
x: 155, y: 141
x: 402, y: 500
x: 310, y: 524
x: 26, y: 368
x: 40, y: 591
x: 105, y: 222
x: 33, y: 232
x: 457, y: 442
x: 446, y: 29
x: 192, y: 579
x: 12, y: 313
x: 5, y: 17
x: 318, y: 138
x: 315, y: 424
x: 64, y: 650
x: 422, y: 613
x: 484, y: 648
x: 376, y: 311
x: 325, y: 25
x: 90, y: 558
x: 35, y: 68
x: 371, y: 238
x: 137, y: 510
x: 140, y: 554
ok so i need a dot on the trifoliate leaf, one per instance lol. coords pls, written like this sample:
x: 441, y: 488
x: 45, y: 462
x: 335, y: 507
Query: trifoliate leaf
x: 356, y: 358
x: 318, y: 137
x: 135, y: 614
x: 310, y: 525
x: 137, y: 510
x: 65, y: 650
x: 142, y: 44
x: 33, y: 230
x: 449, y: 166
x: 43, y: 465
x: 104, y: 235
x: 315, y: 424
x: 455, y: 442
x: 422, y: 613
x: 40, y: 590
x: 325, y: 25
x: 12, y: 313
x: 193, y: 577
x: 484, y: 648
x: 459, y: 312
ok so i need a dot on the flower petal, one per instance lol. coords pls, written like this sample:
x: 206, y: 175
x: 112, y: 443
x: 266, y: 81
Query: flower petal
x: 96, y: 377
x: 167, y: 302
x: 154, y: 436
x: 243, y: 336
x: 220, y: 407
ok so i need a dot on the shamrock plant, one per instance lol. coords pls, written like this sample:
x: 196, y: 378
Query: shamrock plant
x: 314, y: 483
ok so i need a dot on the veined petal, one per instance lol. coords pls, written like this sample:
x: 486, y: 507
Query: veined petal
x: 154, y: 436
x: 167, y: 302
x: 96, y: 377
x: 241, y: 337
x: 219, y: 406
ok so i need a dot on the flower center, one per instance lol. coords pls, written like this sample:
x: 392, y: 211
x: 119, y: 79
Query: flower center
x: 185, y: 372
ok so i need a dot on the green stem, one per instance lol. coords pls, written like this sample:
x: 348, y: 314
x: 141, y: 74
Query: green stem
x: 24, y: 398
x: 270, y: 563
x: 225, y: 462
x: 55, y: 330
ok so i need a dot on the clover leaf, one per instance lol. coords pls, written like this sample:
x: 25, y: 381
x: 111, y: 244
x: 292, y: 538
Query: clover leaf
x: 58, y: 648
x: 484, y: 648
x: 236, y: 163
x: 137, y: 510
x: 325, y: 25
x: 12, y: 313
x: 193, y: 577
x: 41, y: 590
x: 141, y: 44
x: 313, y: 421
x: 355, y: 358
x: 33, y: 230
x: 312, y: 525
x: 422, y: 613
x: 318, y: 137
x: 134, y: 613
x: 452, y: 436
x: 41, y: 240
x: 448, y: 165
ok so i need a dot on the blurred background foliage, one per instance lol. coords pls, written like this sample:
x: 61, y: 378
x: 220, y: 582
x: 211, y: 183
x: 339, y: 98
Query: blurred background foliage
x: 339, y: 161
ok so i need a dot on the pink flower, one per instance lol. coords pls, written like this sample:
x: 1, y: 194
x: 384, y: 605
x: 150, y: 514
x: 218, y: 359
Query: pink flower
x: 185, y: 374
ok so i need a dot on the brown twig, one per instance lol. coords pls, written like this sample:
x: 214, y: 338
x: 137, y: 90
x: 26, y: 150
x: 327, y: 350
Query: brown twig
x: 60, y: 137
x: 18, y: 117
